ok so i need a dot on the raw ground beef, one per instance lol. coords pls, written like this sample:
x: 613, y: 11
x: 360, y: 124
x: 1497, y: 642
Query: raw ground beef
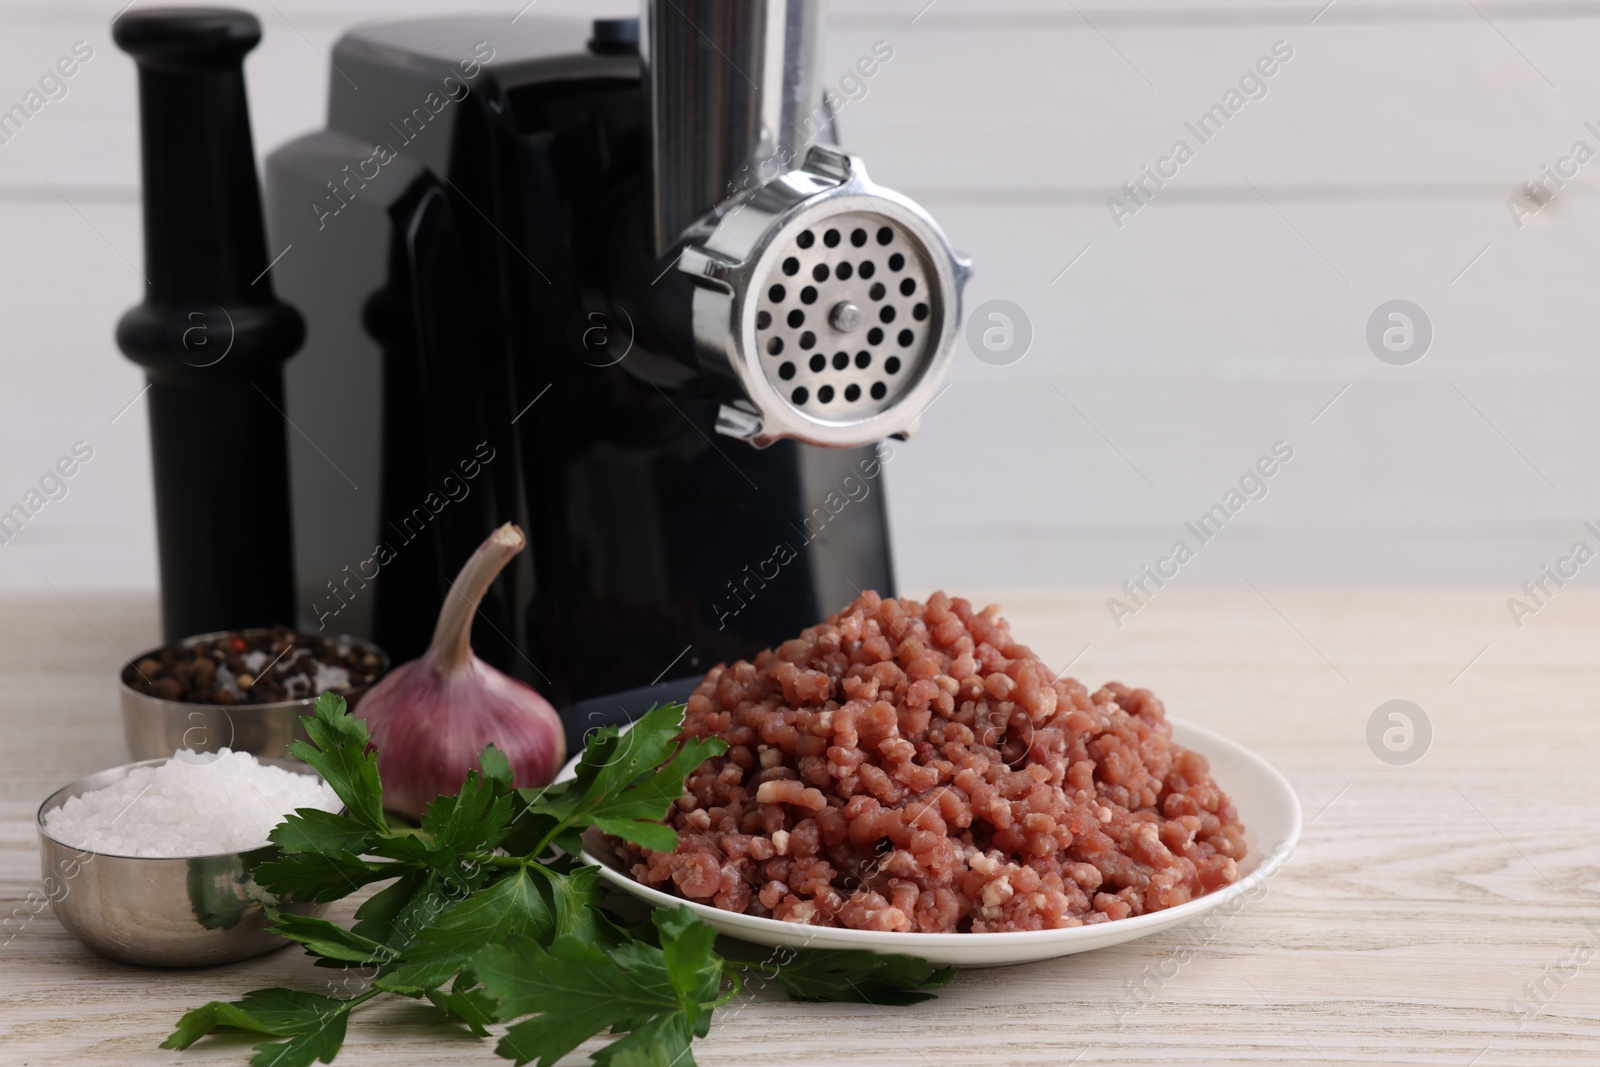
x: 910, y: 767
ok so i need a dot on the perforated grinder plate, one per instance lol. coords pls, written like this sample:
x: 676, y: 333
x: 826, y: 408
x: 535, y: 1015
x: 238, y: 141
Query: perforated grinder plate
x: 847, y: 321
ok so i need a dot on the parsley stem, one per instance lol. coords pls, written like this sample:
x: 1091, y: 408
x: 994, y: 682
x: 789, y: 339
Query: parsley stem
x: 738, y: 985
x: 513, y: 862
x: 549, y: 838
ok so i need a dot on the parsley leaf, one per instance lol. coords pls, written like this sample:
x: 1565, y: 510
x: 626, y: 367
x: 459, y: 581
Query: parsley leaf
x: 477, y: 818
x: 338, y: 752
x: 319, y: 1041
x: 693, y: 970
x: 471, y: 1007
x: 662, y: 1042
x: 574, y: 990
x: 265, y: 1011
x: 863, y: 977
x: 489, y: 899
x: 313, y: 1024
x: 315, y: 830
x: 575, y: 896
x: 397, y: 914
x: 513, y: 905
x: 496, y: 767
x: 316, y: 877
x: 327, y: 939
x: 621, y: 786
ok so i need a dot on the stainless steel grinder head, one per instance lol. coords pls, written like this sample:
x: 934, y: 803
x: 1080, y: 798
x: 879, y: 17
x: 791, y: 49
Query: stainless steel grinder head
x: 826, y: 309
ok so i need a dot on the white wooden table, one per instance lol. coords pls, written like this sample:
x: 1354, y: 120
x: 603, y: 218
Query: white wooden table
x: 1421, y: 901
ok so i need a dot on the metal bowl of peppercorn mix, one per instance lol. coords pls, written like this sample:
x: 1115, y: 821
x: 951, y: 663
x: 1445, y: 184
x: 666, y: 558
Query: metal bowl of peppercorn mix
x: 239, y: 689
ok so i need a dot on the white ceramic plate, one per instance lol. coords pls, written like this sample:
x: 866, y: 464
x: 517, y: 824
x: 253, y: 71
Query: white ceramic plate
x: 1267, y: 806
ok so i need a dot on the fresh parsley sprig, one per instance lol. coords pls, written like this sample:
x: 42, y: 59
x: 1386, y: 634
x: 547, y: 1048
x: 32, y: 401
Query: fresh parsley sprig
x: 490, y: 919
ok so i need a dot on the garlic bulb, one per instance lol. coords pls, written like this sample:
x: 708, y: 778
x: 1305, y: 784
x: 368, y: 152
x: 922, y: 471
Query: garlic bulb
x: 431, y: 717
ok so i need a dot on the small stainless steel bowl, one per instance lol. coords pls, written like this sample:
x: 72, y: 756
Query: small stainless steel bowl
x: 155, y: 728
x: 190, y: 912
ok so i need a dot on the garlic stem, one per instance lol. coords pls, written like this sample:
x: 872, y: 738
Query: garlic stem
x: 451, y: 648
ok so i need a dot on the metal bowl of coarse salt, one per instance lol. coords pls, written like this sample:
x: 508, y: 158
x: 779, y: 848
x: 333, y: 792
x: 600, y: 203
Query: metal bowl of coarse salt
x: 245, y: 690
x: 154, y: 862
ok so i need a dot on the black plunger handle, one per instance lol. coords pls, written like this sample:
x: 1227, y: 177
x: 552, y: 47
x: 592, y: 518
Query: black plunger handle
x: 210, y: 334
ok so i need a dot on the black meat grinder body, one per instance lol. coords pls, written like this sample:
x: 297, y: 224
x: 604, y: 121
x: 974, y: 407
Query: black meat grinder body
x: 517, y: 251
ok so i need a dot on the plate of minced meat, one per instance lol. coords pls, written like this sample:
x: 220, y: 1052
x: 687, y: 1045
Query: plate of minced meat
x: 906, y: 778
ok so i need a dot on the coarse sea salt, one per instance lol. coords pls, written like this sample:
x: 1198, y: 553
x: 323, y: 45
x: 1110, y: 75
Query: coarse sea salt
x: 194, y: 804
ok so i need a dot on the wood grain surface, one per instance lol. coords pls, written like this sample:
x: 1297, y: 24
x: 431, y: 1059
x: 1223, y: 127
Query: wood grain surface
x: 1422, y: 899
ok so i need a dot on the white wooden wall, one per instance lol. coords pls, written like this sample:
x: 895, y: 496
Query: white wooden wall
x: 1176, y: 350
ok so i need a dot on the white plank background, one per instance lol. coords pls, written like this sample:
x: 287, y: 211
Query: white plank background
x: 1210, y: 326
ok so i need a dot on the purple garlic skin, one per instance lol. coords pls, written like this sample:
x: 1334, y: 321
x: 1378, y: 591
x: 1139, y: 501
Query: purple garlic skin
x: 431, y: 717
